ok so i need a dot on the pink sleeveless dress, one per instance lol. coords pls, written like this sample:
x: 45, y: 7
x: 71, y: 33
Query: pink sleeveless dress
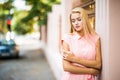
x: 81, y: 48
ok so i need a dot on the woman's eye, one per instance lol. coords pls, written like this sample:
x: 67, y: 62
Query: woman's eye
x: 73, y: 21
x: 79, y: 19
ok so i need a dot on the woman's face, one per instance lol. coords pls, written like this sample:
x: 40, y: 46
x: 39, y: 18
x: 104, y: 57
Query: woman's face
x: 76, y: 21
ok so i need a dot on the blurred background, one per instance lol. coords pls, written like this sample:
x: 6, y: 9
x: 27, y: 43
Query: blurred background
x: 24, y: 16
x: 31, y: 32
x: 21, y: 47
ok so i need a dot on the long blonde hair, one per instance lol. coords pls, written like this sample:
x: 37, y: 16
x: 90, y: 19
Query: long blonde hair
x: 87, y: 29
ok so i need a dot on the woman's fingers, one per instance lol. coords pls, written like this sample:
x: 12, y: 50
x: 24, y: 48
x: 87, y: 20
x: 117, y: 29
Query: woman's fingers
x: 66, y: 52
x: 65, y: 55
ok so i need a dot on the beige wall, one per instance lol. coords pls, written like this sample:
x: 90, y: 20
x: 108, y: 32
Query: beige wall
x: 76, y: 3
x: 114, y: 9
x: 53, y: 30
x: 66, y: 7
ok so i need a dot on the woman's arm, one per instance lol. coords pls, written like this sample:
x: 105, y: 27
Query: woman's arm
x: 67, y: 66
x: 88, y: 63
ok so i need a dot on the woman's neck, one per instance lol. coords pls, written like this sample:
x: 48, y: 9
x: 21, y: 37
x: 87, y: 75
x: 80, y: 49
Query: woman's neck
x: 81, y: 33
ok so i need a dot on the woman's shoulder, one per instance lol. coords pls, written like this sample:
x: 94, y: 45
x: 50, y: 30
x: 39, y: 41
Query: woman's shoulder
x: 95, y: 37
x: 67, y: 37
x: 69, y: 34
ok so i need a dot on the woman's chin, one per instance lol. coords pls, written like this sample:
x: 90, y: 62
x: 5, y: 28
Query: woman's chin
x: 78, y: 30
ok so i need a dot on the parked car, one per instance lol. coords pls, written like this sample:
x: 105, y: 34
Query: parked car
x: 8, y: 48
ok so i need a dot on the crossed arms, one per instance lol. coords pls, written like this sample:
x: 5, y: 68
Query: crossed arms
x: 91, y: 66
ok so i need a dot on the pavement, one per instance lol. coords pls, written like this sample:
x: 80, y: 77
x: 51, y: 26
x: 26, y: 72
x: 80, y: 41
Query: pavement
x: 32, y: 64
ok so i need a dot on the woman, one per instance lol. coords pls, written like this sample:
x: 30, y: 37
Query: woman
x: 81, y: 49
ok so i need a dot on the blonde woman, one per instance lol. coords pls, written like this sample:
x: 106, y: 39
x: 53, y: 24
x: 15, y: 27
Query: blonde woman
x: 81, y: 49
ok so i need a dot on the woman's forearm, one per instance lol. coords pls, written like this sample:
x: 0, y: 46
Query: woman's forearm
x: 88, y: 63
x: 78, y: 70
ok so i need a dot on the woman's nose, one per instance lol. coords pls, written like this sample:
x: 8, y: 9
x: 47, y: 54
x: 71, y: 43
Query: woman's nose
x: 76, y: 22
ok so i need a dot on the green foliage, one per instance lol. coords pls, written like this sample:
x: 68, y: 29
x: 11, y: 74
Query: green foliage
x: 39, y: 9
x: 23, y: 28
x: 19, y: 27
x: 23, y: 20
x: 8, y: 5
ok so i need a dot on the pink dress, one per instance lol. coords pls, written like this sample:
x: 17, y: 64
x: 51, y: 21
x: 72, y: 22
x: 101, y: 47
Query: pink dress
x: 81, y: 48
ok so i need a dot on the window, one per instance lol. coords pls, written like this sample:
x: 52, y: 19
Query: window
x: 89, y: 5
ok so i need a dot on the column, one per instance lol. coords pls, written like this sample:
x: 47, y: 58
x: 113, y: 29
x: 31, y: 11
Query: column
x: 102, y: 27
x: 53, y: 35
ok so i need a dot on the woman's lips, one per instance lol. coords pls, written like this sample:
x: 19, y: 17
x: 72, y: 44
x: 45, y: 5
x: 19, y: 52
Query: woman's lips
x: 77, y: 26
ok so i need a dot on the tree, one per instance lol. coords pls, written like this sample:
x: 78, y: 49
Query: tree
x: 19, y: 26
x: 39, y: 9
x: 37, y: 13
x: 5, y: 8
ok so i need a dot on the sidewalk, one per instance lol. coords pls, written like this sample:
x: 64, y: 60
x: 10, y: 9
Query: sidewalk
x: 54, y: 58
x: 31, y: 44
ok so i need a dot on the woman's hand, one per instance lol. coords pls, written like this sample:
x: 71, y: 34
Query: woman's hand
x: 68, y: 55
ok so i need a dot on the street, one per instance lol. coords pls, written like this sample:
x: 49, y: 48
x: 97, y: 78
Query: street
x: 32, y: 65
